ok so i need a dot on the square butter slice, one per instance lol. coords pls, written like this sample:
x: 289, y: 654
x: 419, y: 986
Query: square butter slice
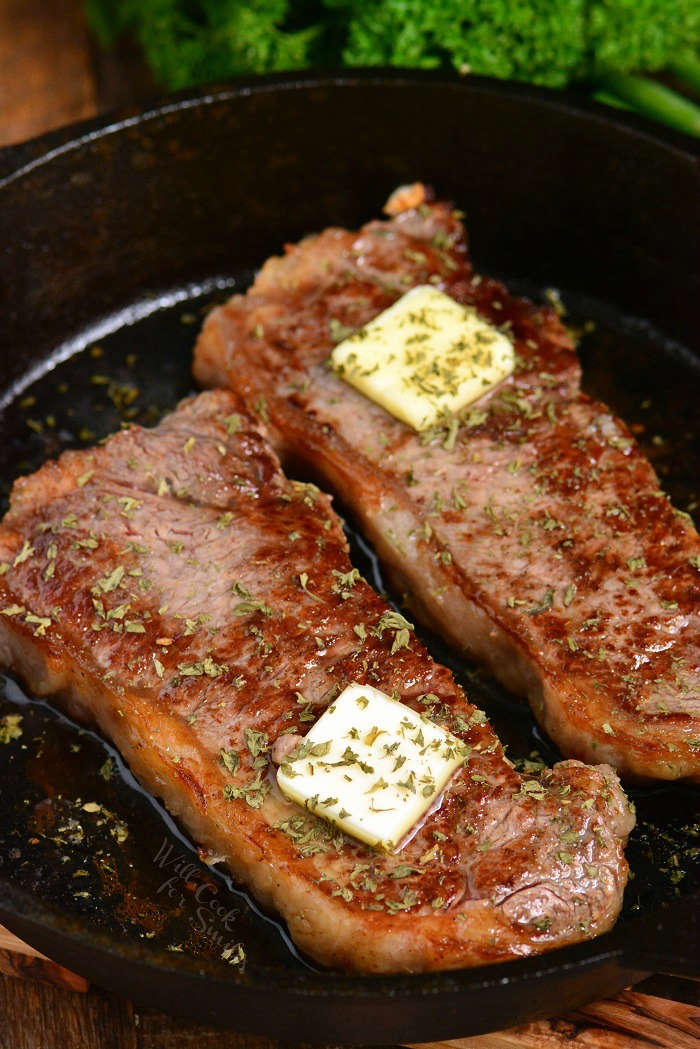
x: 371, y: 766
x: 425, y: 358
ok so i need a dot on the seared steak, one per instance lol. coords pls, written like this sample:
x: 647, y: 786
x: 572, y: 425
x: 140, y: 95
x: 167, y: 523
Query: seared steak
x: 530, y: 532
x: 175, y: 588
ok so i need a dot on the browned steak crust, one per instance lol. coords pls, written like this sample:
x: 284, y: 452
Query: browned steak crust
x: 174, y: 587
x: 531, y: 533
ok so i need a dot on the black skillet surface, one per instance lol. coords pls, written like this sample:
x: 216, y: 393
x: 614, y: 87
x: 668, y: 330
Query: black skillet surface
x: 115, y: 238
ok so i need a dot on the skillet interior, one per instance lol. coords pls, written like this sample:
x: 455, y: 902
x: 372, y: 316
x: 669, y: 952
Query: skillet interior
x: 114, y: 247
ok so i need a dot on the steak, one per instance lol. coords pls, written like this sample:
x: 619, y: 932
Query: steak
x: 529, y: 530
x: 173, y: 587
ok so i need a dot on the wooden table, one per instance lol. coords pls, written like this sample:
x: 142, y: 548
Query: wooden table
x: 51, y: 74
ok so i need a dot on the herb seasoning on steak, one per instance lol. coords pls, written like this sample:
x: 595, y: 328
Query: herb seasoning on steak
x: 173, y: 587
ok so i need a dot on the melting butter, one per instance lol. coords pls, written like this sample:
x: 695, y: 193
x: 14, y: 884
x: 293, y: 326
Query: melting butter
x: 371, y: 765
x: 425, y: 358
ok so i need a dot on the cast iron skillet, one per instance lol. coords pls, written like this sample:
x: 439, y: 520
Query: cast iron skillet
x: 115, y: 237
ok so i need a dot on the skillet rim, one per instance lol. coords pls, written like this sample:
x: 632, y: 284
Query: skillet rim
x: 20, y: 158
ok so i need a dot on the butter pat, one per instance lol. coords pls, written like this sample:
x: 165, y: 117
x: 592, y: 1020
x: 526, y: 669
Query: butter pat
x: 425, y: 358
x: 371, y: 766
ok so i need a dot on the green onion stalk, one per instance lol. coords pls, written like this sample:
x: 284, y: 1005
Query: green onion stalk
x: 652, y: 99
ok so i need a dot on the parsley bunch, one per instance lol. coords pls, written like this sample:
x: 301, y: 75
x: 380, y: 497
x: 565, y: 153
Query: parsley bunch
x: 552, y: 42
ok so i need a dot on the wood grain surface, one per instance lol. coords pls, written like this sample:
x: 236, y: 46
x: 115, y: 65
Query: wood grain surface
x: 20, y: 960
x: 50, y: 74
x: 46, y: 76
x: 629, y: 1021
